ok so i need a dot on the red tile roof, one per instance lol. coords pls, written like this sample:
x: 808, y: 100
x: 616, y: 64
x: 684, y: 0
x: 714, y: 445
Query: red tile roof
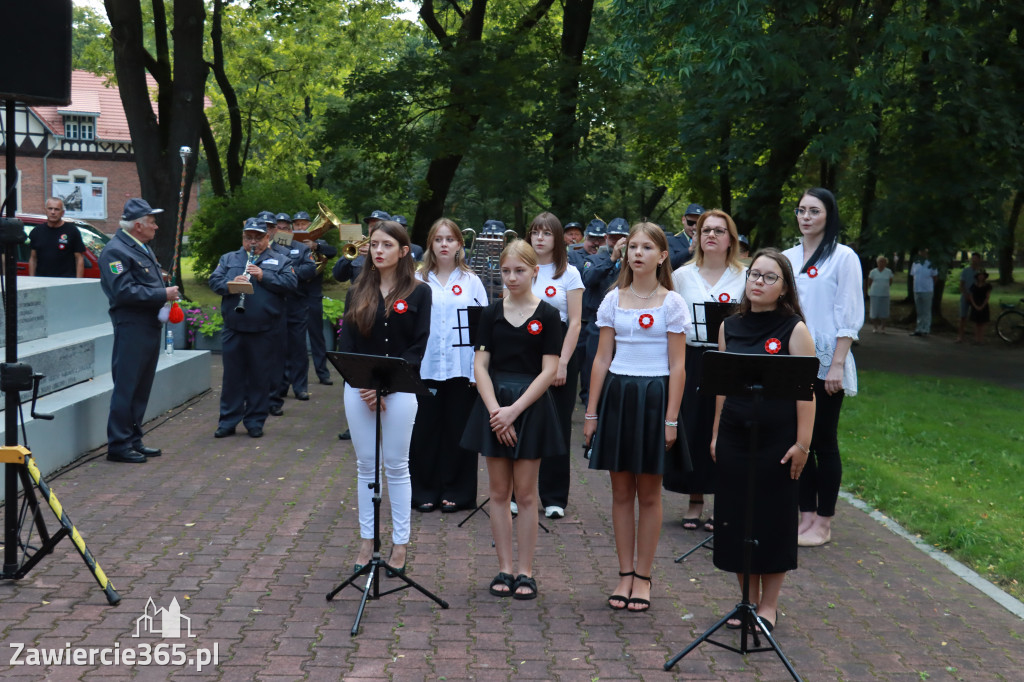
x: 90, y: 94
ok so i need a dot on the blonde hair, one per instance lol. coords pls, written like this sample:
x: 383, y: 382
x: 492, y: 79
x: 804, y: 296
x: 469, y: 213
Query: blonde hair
x: 657, y: 235
x: 732, y: 256
x: 521, y: 249
x: 430, y: 260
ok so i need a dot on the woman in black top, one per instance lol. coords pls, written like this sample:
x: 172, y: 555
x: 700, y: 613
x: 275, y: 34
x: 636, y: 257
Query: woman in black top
x: 387, y: 312
x: 769, y: 322
x: 514, y: 423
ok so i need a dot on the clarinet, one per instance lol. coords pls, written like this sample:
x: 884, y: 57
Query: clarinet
x: 240, y: 308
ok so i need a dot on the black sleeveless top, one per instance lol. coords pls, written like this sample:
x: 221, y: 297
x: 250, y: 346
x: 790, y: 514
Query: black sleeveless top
x: 765, y: 333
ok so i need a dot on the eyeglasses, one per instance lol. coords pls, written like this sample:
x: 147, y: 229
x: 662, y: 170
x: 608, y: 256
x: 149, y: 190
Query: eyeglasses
x: 769, y: 278
x: 691, y: 223
x: 813, y: 212
x: 717, y: 231
x: 253, y: 240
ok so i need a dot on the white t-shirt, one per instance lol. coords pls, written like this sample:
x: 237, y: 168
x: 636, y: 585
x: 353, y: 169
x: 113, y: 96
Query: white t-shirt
x: 444, y: 359
x: 833, y: 305
x: 554, y: 291
x: 695, y: 291
x: 923, y: 274
x: 641, y: 336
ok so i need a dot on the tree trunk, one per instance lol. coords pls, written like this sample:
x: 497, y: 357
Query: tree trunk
x: 156, y: 141
x: 650, y: 203
x: 760, y: 211
x: 565, y: 191
x: 1008, y: 242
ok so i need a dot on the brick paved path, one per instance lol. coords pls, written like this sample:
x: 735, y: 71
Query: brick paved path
x: 250, y: 535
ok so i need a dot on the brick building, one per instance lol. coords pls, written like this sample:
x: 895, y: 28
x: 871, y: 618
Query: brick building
x: 81, y: 152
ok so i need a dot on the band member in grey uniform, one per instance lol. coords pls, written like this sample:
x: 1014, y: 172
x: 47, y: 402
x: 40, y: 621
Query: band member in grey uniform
x: 296, y: 363
x: 130, y: 277
x: 248, y: 343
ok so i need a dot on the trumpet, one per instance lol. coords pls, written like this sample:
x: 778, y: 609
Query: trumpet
x: 323, y: 222
x: 351, y: 250
x: 240, y: 308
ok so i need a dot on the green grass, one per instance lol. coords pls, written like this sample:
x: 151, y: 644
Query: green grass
x: 945, y: 459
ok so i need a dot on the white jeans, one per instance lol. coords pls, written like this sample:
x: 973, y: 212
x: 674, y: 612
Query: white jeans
x: 396, y: 428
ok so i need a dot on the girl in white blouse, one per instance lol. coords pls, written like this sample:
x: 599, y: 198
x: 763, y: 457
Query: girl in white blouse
x: 714, y: 275
x: 560, y: 285
x: 829, y: 283
x: 636, y: 386
x: 444, y: 474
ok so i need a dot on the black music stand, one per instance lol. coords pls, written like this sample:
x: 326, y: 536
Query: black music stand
x: 384, y: 375
x: 779, y: 377
x: 715, y: 313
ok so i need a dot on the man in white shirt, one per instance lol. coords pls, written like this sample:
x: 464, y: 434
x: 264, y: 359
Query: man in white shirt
x: 924, y: 288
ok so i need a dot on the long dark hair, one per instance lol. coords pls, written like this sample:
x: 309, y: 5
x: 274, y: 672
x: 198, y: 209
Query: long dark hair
x: 657, y: 235
x: 832, y: 226
x: 789, y: 301
x: 559, y: 254
x: 363, y: 299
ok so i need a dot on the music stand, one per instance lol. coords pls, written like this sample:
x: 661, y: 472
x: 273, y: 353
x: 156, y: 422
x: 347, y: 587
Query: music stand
x: 779, y: 377
x: 715, y: 313
x: 384, y: 375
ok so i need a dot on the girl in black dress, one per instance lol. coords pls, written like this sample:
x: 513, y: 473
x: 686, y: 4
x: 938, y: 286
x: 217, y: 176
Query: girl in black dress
x: 514, y: 422
x: 769, y: 322
x: 979, y: 295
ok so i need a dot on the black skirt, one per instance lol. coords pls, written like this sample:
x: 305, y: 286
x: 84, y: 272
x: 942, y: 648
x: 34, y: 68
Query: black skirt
x: 538, y: 433
x: 630, y: 433
x: 696, y: 422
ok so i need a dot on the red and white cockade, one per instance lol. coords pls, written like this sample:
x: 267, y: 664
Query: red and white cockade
x: 773, y: 345
x: 812, y: 271
x: 457, y: 290
x: 646, y: 320
x: 550, y: 292
x: 724, y: 297
x: 400, y: 306
x: 534, y: 327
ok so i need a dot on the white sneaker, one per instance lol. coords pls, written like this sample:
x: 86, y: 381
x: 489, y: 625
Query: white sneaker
x: 515, y: 508
x: 554, y: 512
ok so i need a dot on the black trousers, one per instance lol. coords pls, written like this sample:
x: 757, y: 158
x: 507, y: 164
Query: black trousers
x: 245, y: 392
x: 823, y: 473
x: 440, y: 468
x: 315, y: 330
x: 553, y: 480
x: 296, y: 362
x: 133, y: 367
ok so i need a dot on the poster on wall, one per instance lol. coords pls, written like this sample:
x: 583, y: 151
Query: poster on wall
x: 82, y: 200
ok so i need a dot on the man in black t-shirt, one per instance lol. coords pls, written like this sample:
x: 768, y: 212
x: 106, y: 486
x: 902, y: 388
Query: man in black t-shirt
x: 57, y: 247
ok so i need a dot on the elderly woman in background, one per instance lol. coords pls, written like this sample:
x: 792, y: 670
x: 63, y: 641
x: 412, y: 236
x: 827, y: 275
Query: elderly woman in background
x: 878, y: 293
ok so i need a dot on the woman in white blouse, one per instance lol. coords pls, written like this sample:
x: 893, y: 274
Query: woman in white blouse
x: 714, y: 275
x: 444, y: 474
x: 560, y: 285
x: 829, y: 283
x: 636, y: 385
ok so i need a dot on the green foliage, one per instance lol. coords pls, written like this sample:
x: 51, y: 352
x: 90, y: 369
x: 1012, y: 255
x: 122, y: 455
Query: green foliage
x: 90, y: 42
x: 217, y: 225
x: 942, y: 457
x: 334, y: 310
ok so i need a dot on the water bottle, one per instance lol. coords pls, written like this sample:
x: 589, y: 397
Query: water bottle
x: 169, y: 346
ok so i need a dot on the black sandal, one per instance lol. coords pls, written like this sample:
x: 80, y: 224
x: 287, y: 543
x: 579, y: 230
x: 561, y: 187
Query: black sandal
x: 619, y: 597
x: 425, y: 508
x: 645, y: 603
x: 709, y: 525
x: 449, y: 507
x: 529, y: 583
x: 502, y: 579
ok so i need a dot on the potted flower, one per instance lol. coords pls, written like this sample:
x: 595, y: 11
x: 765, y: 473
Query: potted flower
x: 204, y: 327
x: 334, y: 310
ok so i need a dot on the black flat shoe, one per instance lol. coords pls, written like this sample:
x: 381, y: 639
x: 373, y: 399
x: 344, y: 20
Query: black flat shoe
x: 326, y: 382
x: 224, y: 432
x: 276, y: 411
x: 256, y: 433
x: 345, y: 436
x: 529, y: 583
x: 148, y: 452
x: 128, y: 457
x: 619, y: 597
x: 302, y: 396
x: 505, y: 579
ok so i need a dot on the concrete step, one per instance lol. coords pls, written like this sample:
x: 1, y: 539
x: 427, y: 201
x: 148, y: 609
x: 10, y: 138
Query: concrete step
x: 68, y: 358
x: 51, y: 305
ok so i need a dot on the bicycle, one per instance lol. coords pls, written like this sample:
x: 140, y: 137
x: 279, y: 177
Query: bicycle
x: 1010, y: 323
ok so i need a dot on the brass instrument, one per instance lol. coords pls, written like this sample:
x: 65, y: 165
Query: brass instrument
x: 351, y: 250
x: 240, y: 308
x: 468, y: 238
x: 324, y: 221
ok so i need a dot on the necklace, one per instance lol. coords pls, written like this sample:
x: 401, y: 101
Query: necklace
x: 643, y: 298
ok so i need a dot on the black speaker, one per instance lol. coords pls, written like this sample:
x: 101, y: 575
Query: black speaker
x: 35, y: 51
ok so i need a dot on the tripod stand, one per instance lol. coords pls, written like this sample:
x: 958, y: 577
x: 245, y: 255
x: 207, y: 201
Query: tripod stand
x: 384, y: 375
x: 759, y: 377
x: 17, y: 460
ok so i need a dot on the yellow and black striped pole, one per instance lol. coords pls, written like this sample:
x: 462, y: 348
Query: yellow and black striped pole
x: 51, y: 499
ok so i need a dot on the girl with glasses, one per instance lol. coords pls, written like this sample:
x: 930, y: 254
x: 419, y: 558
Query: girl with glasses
x: 769, y: 322
x: 829, y: 281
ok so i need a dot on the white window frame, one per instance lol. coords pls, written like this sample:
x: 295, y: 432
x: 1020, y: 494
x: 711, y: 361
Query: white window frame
x: 3, y: 189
